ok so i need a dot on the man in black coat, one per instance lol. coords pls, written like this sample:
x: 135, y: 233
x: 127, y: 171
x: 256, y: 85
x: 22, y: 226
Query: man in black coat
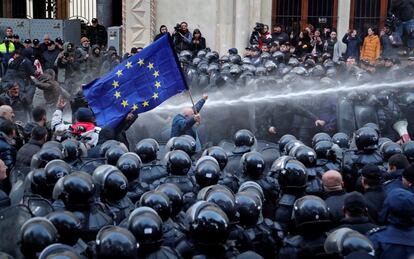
x: 97, y: 34
x: 374, y: 190
x: 4, y: 198
x: 396, y: 165
x: 356, y: 214
x: 334, y: 194
x: 25, y: 153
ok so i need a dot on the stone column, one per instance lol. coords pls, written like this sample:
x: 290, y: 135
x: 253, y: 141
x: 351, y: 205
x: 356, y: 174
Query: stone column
x: 104, y: 12
x: 266, y: 10
x: 344, y: 12
x: 243, y: 26
x: 225, y: 32
x: 137, y: 23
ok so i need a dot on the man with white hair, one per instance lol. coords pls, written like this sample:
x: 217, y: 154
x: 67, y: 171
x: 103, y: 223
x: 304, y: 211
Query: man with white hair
x: 183, y: 122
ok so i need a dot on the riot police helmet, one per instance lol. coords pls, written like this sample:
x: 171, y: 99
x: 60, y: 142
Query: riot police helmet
x: 115, y: 242
x: 252, y: 164
x: 73, y: 150
x: 53, y: 144
x: 306, y: 155
x: 388, y: 149
x: 146, y: 225
x: 159, y: 201
x: 112, y: 184
x: 67, y: 225
x: 243, y: 141
x: 38, y: 182
x: 178, y: 162
x: 366, y: 139
x: 322, y: 148
x: 35, y: 235
x: 284, y: 140
x: 130, y: 165
x: 147, y: 150
x: 253, y: 187
x: 175, y: 195
x: 341, y: 139
x: 310, y: 210
x: 221, y: 196
x: 235, y: 59
x: 56, y: 169
x: 219, y: 154
x: 114, y: 153
x: 382, y: 140
x: 290, y: 173
x: 319, y: 137
x: 408, y: 150
x: 207, y: 171
x: 373, y: 126
x: 344, y: 241
x: 78, y: 188
x: 59, y: 251
x: 291, y: 145
x: 209, y: 225
x: 185, y: 143
x: 248, y: 207
x: 45, y: 155
x: 109, y: 144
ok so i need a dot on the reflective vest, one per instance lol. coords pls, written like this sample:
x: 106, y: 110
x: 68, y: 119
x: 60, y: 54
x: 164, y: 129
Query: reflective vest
x: 4, y: 49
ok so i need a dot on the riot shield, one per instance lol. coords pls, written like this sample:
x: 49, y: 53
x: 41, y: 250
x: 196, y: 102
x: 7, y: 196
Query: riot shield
x: 345, y: 117
x: 37, y: 205
x: 365, y: 114
x: 17, y: 192
x: 11, y: 221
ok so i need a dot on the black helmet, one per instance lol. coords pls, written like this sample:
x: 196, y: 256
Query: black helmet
x: 408, y: 149
x: 67, y: 225
x: 235, y: 59
x: 78, y: 188
x: 185, y: 143
x: 322, y: 148
x: 158, y: 201
x: 109, y: 144
x: 207, y: 171
x: 291, y: 145
x: 115, y: 242
x: 114, y: 153
x: 130, y: 165
x: 112, y: 184
x: 253, y: 164
x: 306, y: 155
x: 382, y: 140
x: 373, y: 126
x: 56, y: 169
x: 390, y: 148
x: 175, y: 195
x: 73, y: 150
x: 221, y: 196
x: 147, y: 150
x: 319, y: 137
x: 310, y: 210
x: 219, y: 154
x: 291, y: 174
x: 284, y: 140
x: 209, y: 225
x: 35, y: 235
x: 53, y: 144
x: 341, y: 139
x: 178, y: 162
x: 59, y: 251
x: 145, y: 224
x: 41, y: 158
x: 252, y: 187
x: 243, y: 141
x: 249, y: 207
x: 38, y: 182
x: 366, y: 138
x: 344, y: 241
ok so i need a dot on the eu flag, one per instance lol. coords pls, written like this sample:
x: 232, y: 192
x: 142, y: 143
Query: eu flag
x: 138, y: 84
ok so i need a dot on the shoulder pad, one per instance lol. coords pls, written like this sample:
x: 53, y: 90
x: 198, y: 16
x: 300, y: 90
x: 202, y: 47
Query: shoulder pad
x: 294, y: 241
x: 287, y: 200
x: 375, y: 230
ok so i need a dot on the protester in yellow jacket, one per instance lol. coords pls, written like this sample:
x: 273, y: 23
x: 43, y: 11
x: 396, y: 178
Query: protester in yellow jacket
x: 371, y: 48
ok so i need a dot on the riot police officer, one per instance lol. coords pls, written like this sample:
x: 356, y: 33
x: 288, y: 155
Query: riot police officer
x: 151, y: 169
x: 244, y: 142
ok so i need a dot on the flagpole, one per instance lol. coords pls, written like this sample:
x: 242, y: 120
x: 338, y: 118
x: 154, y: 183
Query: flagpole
x: 192, y: 101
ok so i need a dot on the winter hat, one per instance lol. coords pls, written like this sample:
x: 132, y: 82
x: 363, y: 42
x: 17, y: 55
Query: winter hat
x: 84, y: 115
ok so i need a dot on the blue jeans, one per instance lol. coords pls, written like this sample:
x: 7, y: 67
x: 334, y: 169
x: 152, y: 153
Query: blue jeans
x: 407, y: 28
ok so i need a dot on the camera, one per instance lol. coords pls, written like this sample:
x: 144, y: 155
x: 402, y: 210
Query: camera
x: 177, y: 27
x: 259, y: 27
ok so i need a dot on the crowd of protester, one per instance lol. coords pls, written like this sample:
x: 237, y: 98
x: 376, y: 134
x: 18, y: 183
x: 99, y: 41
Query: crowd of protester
x: 78, y: 190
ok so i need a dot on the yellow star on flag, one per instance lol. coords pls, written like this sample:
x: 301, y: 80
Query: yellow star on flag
x: 135, y: 107
x: 115, y: 84
x: 155, y: 96
x: 117, y: 94
x: 145, y: 104
x: 156, y: 73
x: 150, y: 66
x: 140, y: 62
x: 128, y: 64
x: 124, y: 103
x: 119, y: 73
x: 158, y: 84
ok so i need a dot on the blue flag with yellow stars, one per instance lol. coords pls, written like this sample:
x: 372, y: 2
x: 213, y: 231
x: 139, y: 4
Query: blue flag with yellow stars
x: 139, y: 84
